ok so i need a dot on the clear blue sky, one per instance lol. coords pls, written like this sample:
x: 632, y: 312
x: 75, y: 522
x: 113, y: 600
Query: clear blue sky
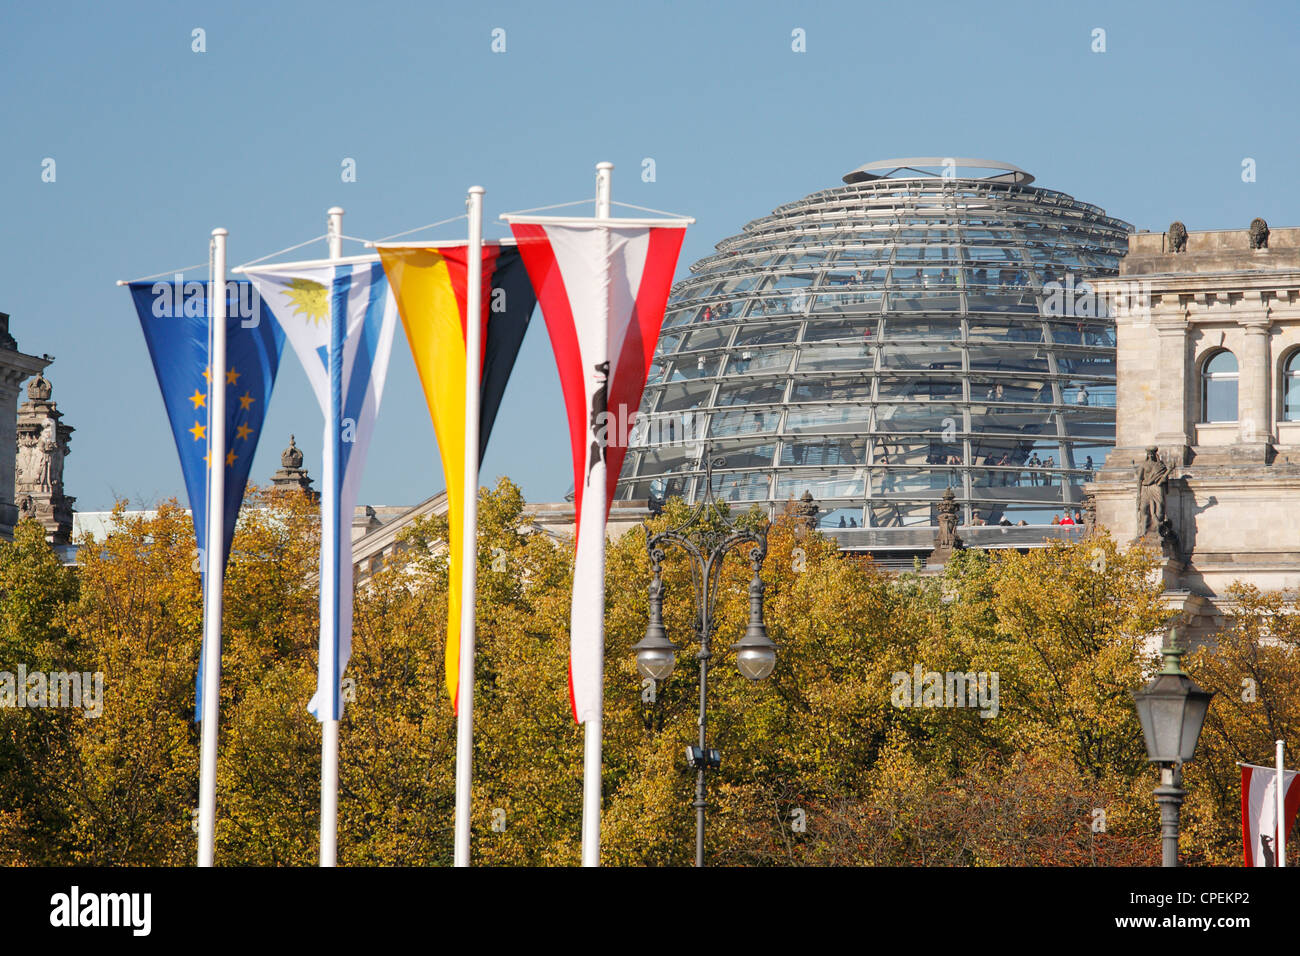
x: 155, y: 145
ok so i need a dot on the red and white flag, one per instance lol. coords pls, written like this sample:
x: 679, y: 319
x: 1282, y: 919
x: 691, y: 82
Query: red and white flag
x: 1259, y: 836
x: 602, y: 285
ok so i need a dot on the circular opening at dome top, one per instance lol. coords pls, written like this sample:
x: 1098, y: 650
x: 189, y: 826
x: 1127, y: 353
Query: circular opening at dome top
x: 940, y: 167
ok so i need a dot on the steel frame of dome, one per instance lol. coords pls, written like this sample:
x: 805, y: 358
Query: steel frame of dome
x: 877, y: 343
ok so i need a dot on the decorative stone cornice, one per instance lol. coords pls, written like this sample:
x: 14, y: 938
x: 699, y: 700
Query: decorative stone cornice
x: 17, y: 367
x: 1283, y: 282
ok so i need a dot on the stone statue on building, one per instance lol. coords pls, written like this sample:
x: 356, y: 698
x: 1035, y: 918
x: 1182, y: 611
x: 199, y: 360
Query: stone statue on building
x: 1089, y: 513
x: 946, y: 540
x: 1258, y: 233
x: 42, y: 446
x: 49, y: 475
x: 1177, y: 237
x: 1152, y: 476
x: 27, y: 466
x: 806, y: 511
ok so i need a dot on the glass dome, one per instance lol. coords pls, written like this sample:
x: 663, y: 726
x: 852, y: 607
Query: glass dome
x: 880, y: 342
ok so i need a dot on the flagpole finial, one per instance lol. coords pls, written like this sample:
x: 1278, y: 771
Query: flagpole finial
x: 334, y: 231
x: 477, y: 189
x: 603, y: 178
x: 219, y: 231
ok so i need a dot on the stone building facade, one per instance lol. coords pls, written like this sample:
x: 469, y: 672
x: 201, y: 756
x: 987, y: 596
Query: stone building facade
x: 15, y: 368
x: 1208, y: 329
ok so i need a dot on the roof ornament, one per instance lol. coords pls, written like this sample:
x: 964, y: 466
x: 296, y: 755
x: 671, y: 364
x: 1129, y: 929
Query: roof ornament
x: 291, y: 458
x: 39, y: 389
x: 1177, y: 237
x: 1258, y: 233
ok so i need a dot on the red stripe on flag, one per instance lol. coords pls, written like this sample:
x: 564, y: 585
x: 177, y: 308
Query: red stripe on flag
x: 633, y: 362
x: 548, y: 283
x: 458, y: 276
x: 1290, y: 805
x: 490, y: 255
x: 457, y: 259
x: 573, y: 700
x: 1245, y: 815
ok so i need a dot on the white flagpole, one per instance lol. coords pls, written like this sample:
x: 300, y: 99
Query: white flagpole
x: 213, y: 565
x: 331, y: 555
x: 469, y: 527
x: 595, y: 494
x: 1279, y: 798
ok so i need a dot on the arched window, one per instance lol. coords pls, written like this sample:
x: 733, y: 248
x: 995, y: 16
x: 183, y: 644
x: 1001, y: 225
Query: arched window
x: 1219, y: 388
x: 1291, y: 388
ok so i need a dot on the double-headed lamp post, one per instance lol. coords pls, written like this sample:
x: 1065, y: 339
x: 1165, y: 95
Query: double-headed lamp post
x: 706, y: 537
x: 1172, y: 710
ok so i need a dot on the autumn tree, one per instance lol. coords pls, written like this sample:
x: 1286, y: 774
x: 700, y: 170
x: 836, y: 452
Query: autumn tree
x: 1253, y: 670
x: 825, y: 762
x: 37, y: 749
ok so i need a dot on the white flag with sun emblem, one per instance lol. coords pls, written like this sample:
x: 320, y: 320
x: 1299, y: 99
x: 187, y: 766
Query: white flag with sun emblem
x: 339, y: 317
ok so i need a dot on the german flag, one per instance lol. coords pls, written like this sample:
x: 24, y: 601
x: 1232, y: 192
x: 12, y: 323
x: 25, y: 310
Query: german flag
x: 430, y: 285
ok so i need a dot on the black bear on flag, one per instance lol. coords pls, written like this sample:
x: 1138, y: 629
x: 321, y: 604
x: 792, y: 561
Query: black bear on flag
x: 599, y: 406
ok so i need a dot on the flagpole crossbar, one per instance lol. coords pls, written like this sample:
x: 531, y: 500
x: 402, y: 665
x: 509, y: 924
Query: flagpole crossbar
x: 308, y: 264
x: 280, y: 252
x: 438, y: 243
x: 594, y: 222
x: 657, y: 212
x: 558, y: 205
x: 525, y: 215
x: 169, y: 273
x: 292, y: 265
x: 432, y: 225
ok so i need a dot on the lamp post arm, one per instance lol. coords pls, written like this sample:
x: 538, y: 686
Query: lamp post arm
x: 656, y: 546
x: 706, y: 546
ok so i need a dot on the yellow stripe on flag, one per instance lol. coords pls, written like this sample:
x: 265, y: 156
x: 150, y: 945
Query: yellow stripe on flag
x: 432, y: 318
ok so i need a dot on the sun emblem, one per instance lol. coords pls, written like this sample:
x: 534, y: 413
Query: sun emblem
x: 310, y: 299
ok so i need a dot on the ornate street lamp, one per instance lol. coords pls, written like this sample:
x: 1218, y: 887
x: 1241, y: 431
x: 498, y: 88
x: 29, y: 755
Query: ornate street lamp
x: 755, y: 652
x: 1171, y: 709
x: 706, y: 537
x: 655, y: 654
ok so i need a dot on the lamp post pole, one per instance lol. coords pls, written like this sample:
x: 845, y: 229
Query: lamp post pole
x: 1171, y: 709
x: 701, y: 760
x: 1169, y: 795
x: 706, y: 536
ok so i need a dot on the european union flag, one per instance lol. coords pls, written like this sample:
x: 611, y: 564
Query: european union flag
x: 174, y: 318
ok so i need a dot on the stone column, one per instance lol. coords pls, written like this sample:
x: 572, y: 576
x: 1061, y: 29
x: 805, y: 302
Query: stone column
x: 1172, y: 408
x: 1253, y: 378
